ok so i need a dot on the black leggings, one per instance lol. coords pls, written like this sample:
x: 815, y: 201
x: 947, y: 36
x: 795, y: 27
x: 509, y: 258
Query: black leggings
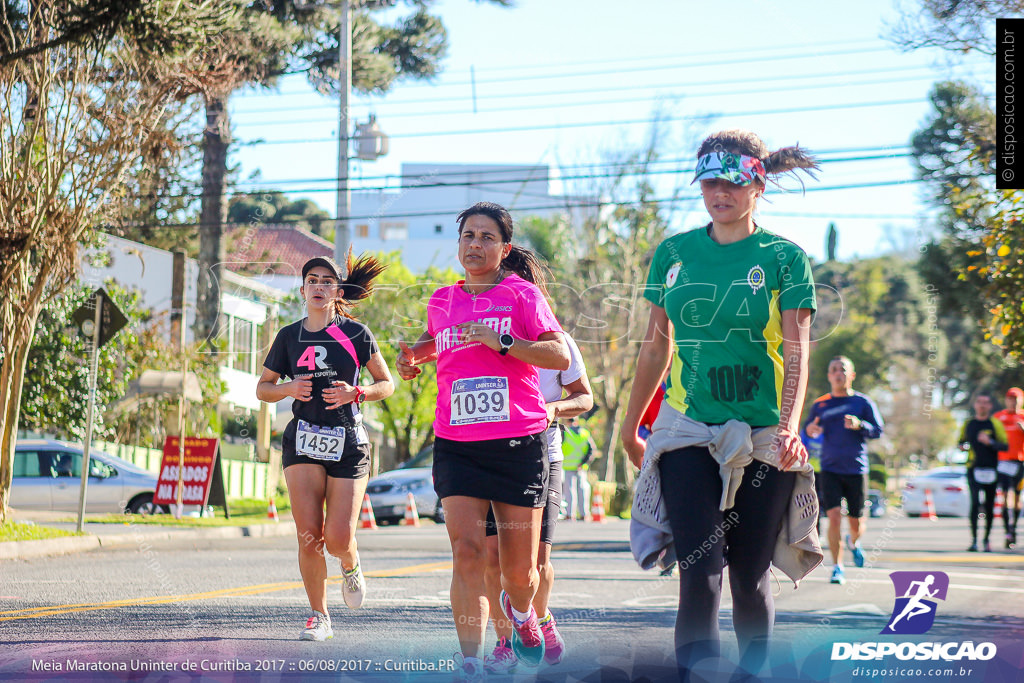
x: 692, y: 489
x: 976, y: 490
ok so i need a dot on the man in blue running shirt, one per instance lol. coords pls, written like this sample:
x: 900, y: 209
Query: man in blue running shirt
x: 847, y: 419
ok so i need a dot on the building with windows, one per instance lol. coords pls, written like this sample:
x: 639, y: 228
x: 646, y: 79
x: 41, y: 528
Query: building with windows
x: 418, y: 217
x: 246, y: 306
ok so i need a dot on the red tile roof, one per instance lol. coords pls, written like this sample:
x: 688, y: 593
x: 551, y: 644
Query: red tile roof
x: 272, y: 249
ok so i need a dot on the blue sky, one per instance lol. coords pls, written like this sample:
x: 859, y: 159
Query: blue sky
x: 564, y: 82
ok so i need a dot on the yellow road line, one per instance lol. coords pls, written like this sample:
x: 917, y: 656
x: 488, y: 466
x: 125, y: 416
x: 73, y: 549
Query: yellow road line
x: 994, y: 558
x: 53, y: 610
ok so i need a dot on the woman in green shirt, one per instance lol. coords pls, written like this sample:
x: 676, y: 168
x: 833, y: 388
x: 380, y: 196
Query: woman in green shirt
x: 731, y: 305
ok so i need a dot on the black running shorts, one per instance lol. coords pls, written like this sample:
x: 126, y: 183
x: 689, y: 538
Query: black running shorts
x: 852, y: 487
x: 513, y: 471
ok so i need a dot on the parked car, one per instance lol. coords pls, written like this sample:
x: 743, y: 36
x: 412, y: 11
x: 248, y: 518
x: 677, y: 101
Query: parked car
x: 948, y: 486
x: 47, y: 476
x: 877, y: 505
x: 389, y: 491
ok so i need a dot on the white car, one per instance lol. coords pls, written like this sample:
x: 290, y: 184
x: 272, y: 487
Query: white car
x: 47, y: 476
x: 948, y: 486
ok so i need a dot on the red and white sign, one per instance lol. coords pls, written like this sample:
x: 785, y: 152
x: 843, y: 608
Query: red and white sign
x: 200, y: 460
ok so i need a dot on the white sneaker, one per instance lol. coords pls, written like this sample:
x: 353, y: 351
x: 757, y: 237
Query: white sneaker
x: 353, y: 586
x: 318, y: 627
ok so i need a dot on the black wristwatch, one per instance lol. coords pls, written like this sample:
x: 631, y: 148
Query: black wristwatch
x: 506, y: 341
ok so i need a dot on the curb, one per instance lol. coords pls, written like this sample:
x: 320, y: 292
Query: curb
x: 21, y: 550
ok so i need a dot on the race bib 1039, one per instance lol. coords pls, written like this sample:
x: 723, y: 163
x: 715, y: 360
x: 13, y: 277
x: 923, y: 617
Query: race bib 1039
x: 480, y: 399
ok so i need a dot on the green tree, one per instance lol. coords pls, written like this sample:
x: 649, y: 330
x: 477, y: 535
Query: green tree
x: 958, y: 26
x: 72, y: 117
x: 56, y: 389
x: 276, y: 207
x: 278, y: 36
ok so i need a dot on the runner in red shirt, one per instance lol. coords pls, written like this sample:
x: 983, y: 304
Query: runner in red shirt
x: 1010, y: 467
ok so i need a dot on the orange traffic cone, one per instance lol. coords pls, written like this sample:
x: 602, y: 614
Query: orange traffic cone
x: 272, y: 511
x: 997, y: 510
x: 412, y: 518
x: 597, y: 508
x: 929, y: 506
x: 366, y: 518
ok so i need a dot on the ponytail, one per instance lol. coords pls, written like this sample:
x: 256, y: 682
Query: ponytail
x: 359, y: 283
x: 789, y: 159
x: 526, y: 265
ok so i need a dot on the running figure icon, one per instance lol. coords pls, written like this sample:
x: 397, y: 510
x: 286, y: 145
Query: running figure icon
x: 915, y: 606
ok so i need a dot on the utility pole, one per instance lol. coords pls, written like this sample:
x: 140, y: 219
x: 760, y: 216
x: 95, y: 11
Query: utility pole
x: 342, y: 228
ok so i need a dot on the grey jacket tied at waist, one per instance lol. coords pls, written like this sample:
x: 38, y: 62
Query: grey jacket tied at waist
x: 734, y: 446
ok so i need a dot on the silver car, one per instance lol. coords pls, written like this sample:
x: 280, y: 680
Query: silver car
x: 47, y: 476
x: 389, y: 491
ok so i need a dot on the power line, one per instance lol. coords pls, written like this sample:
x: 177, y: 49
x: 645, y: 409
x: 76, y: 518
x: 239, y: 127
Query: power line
x: 929, y: 73
x: 626, y: 122
x: 588, y: 103
x: 645, y: 170
x: 743, y: 57
x: 579, y: 203
x: 892, y: 150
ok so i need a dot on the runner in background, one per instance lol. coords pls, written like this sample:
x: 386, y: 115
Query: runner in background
x: 579, y: 398
x: 489, y: 333
x: 326, y: 451
x: 982, y: 437
x: 578, y: 449
x: 844, y: 419
x: 1010, y: 468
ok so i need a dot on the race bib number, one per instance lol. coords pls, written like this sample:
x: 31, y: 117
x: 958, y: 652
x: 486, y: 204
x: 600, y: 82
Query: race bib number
x: 480, y: 399
x: 319, y: 443
x: 1008, y: 467
x: 984, y: 475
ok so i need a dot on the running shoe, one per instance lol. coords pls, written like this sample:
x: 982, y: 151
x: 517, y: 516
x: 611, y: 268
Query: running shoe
x: 973, y: 548
x: 353, y: 587
x: 554, y: 645
x: 837, y: 575
x: 318, y: 627
x: 527, y: 640
x: 503, y: 660
x: 988, y: 547
x: 858, y: 552
x: 469, y: 672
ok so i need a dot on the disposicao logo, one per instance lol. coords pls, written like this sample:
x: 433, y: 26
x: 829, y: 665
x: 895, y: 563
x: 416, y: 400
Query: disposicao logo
x: 913, y: 614
x: 916, y: 593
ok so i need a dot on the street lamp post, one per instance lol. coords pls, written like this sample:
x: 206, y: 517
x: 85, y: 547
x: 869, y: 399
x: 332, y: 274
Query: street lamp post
x: 342, y: 228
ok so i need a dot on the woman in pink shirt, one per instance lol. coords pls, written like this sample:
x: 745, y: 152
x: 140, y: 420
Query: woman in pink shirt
x: 489, y: 333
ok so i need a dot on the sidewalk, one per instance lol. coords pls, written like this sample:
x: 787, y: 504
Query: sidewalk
x: 107, y: 535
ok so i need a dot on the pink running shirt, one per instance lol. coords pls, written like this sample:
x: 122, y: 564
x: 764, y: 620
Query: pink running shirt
x: 481, y: 394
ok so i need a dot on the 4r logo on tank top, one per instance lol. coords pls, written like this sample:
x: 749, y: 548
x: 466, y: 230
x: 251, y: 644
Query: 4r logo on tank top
x: 313, y: 358
x: 734, y: 382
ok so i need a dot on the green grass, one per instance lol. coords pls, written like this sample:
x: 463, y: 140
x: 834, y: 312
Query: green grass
x: 169, y: 520
x: 244, y: 512
x: 18, y: 531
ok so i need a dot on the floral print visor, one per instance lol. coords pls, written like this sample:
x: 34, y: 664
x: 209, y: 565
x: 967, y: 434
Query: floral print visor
x: 736, y: 168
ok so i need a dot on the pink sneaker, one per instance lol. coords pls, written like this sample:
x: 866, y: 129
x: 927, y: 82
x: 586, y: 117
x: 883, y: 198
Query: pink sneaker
x: 554, y: 645
x: 527, y: 641
x: 503, y: 660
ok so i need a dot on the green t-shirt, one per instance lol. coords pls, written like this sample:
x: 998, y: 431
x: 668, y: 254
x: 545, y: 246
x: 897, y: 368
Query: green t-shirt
x: 725, y: 302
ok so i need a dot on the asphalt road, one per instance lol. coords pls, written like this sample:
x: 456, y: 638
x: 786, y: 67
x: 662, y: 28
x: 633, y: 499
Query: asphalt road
x: 232, y: 609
